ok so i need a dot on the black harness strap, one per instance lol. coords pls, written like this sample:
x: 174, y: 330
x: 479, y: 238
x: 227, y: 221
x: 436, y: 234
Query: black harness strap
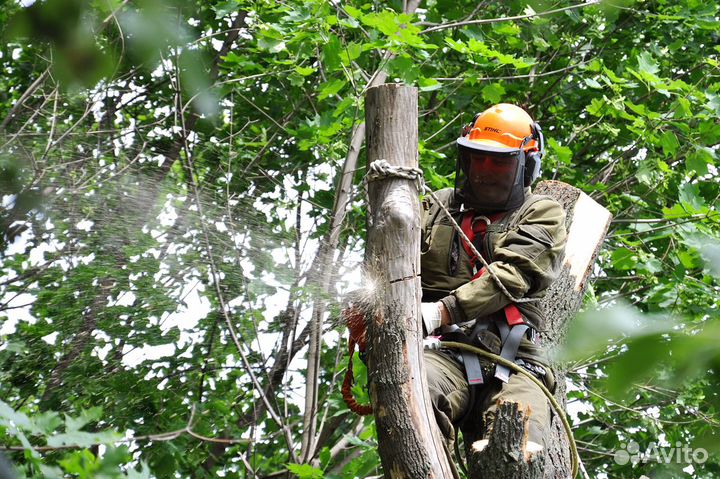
x: 503, y: 329
x: 473, y: 369
x: 509, y: 350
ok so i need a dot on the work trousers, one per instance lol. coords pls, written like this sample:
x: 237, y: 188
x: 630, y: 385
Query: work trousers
x: 451, y: 399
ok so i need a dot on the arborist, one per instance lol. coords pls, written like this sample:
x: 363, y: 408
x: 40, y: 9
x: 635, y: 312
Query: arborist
x: 490, y: 302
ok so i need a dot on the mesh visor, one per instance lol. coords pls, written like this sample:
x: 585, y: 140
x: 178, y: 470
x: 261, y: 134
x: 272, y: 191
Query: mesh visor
x: 487, y: 180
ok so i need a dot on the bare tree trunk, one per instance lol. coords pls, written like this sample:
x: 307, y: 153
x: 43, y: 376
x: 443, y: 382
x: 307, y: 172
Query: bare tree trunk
x: 410, y: 444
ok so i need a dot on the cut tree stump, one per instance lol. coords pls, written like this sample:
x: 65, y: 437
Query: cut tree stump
x: 506, y: 454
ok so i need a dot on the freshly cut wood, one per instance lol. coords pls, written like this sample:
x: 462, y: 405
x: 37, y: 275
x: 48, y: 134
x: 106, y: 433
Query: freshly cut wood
x: 587, y: 223
x: 505, y: 454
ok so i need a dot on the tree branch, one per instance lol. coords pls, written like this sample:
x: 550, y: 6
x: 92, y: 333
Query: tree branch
x: 506, y: 19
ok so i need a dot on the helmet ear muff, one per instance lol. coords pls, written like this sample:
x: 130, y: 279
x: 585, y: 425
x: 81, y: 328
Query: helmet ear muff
x: 468, y: 128
x: 533, y: 159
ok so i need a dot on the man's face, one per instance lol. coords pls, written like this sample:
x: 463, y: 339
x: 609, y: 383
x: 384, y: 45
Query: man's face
x: 491, y: 177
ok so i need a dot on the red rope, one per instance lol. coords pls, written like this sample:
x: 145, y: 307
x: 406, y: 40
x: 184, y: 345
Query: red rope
x: 356, y: 325
x: 355, y: 320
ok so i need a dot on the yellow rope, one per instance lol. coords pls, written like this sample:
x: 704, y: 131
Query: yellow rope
x: 500, y: 360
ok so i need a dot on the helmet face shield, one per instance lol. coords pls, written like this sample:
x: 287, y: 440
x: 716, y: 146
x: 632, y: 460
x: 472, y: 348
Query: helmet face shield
x: 493, y: 153
x: 489, y: 180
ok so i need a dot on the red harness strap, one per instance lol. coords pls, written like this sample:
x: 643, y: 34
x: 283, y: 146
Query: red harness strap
x: 472, y: 229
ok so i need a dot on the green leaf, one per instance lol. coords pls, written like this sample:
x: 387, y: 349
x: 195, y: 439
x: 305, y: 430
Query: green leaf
x: 593, y: 331
x: 592, y: 83
x: 493, y: 92
x: 83, y: 463
x: 596, y: 107
x: 457, y: 45
x: 698, y: 161
x: 503, y: 58
x: 305, y: 471
x: 563, y: 153
x: 352, y: 11
x: 690, y: 259
x: 331, y: 54
x: 47, y: 422
x: 51, y: 472
x: 144, y: 472
x: 711, y: 255
x: 83, y: 439
x: 271, y: 44
x: 429, y: 84
x: 652, y: 265
x: 642, y: 110
x: 330, y: 88
x: 624, y: 259
x: 670, y: 143
x: 405, y: 68
x: 305, y: 71
x: 398, y: 27
x: 350, y: 53
x: 19, y: 419
x: 325, y: 456
x: 343, y: 105
x: 690, y: 196
x: 296, y: 79
x: 647, y: 64
x: 224, y: 8
x: 87, y: 416
x: 682, y: 108
x: 633, y: 364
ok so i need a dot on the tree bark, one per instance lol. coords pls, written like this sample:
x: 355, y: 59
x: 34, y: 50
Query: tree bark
x: 409, y: 442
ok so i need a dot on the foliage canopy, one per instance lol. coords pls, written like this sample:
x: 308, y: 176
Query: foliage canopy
x: 168, y: 171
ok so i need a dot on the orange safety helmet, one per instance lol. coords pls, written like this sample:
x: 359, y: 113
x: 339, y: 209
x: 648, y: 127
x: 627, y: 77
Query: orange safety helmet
x: 500, y: 128
x: 508, y: 134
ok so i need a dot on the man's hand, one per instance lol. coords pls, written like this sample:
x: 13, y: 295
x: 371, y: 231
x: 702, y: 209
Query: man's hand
x: 434, y: 315
x: 431, y: 342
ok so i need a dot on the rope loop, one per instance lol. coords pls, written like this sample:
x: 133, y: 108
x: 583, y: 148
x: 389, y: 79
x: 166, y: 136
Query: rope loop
x: 381, y: 169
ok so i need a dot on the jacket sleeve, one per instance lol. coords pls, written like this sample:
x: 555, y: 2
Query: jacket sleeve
x: 527, y: 260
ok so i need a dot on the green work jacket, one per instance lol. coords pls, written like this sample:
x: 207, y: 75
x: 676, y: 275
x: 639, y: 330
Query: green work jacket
x: 525, y: 248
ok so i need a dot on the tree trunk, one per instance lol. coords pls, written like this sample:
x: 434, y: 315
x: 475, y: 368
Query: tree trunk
x: 587, y: 223
x: 409, y: 442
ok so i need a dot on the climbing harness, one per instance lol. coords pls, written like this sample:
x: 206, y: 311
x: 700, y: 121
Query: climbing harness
x: 511, y: 331
x: 355, y: 317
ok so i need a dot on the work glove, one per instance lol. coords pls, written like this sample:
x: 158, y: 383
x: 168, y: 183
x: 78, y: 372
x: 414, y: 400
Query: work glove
x: 430, y: 316
x: 431, y: 342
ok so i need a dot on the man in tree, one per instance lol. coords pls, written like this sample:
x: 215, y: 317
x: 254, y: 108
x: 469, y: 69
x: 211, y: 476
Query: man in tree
x: 521, y: 239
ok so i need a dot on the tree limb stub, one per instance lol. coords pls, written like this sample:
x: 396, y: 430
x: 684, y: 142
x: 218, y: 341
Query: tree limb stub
x: 506, y: 454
